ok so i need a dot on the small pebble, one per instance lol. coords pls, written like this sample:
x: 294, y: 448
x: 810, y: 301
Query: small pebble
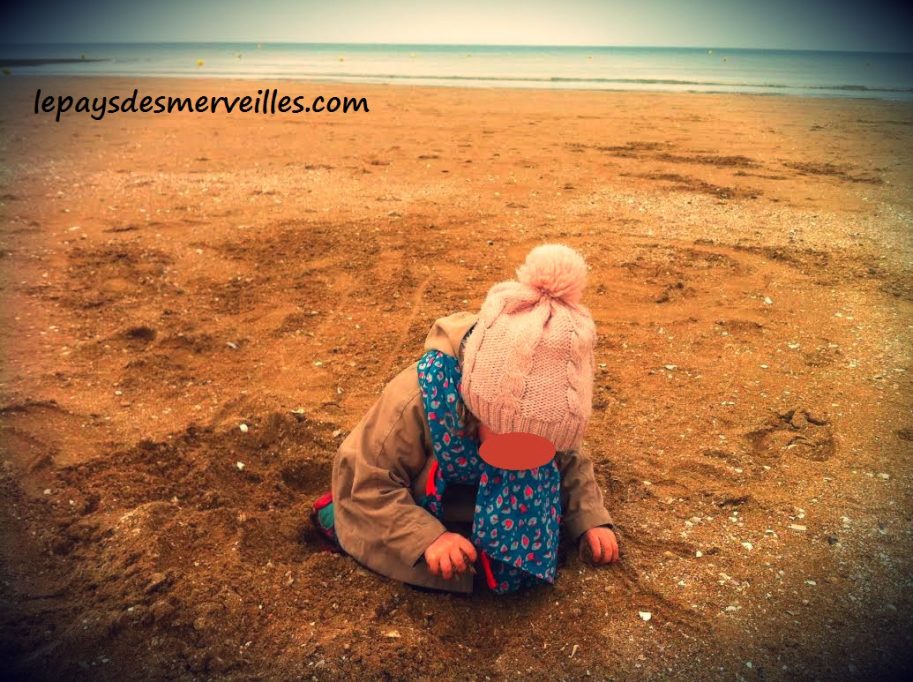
x: 768, y: 300
x: 394, y: 634
x: 240, y: 466
x: 645, y: 615
x: 748, y: 546
x: 796, y: 526
x: 243, y: 428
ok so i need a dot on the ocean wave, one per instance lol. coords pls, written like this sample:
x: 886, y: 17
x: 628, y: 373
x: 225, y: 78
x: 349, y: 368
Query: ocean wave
x: 134, y: 65
x: 587, y: 79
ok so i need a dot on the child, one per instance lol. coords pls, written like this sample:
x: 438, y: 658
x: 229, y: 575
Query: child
x: 411, y: 469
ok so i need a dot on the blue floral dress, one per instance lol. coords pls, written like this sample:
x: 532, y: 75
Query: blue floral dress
x: 517, y: 513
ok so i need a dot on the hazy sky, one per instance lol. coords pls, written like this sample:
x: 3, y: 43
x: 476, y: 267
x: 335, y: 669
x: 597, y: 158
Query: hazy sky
x: 788, y: 24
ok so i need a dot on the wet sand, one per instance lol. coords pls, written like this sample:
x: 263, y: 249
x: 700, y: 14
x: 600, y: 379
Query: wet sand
x: 166, y: 278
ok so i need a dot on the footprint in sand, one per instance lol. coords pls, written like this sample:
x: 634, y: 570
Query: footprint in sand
x: 797, y: 433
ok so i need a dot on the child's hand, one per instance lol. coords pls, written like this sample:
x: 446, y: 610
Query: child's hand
x: 447, y: 556
x: 602, y: 545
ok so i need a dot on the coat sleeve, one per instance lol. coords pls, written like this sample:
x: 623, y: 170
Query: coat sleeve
x: 386, y: 451
x: 581, y: 499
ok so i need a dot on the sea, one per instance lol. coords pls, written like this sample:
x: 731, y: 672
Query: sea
x: 876, y: 75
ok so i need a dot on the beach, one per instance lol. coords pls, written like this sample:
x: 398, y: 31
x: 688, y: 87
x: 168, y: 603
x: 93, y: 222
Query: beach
x: 167, y: 278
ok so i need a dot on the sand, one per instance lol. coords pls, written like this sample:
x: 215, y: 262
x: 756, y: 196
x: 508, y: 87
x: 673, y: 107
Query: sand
x: 167, y: 278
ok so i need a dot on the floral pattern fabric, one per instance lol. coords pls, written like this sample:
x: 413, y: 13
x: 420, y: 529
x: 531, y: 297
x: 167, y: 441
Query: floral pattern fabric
x: 517, y: 513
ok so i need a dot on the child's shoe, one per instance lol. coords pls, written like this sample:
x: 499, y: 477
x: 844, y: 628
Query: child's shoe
x: 322, y: 519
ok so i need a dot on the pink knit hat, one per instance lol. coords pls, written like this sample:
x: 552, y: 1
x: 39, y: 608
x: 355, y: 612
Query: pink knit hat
x: 528, y: 364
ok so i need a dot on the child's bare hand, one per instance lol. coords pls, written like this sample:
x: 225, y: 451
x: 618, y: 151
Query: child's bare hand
x: 602, y: 545
x: 450, y: 555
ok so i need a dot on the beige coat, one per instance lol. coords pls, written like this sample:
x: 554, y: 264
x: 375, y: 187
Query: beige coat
x: 381, y: 468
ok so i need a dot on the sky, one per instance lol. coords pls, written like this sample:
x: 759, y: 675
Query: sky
x: 772, y: 24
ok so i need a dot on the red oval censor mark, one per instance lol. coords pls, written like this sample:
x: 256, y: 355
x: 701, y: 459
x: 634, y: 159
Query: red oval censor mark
x: 517, y: 451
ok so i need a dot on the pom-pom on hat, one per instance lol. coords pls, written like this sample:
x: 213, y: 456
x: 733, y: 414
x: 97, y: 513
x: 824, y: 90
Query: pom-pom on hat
x: 528, y: 363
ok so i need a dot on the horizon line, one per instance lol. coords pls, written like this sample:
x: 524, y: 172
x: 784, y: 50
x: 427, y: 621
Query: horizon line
x: 468, y: 45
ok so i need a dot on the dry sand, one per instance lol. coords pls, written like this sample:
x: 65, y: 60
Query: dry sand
x: 167, y: 278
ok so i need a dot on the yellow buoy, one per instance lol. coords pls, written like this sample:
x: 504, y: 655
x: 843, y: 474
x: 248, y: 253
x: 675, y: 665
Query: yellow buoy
x: 200, y: 63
